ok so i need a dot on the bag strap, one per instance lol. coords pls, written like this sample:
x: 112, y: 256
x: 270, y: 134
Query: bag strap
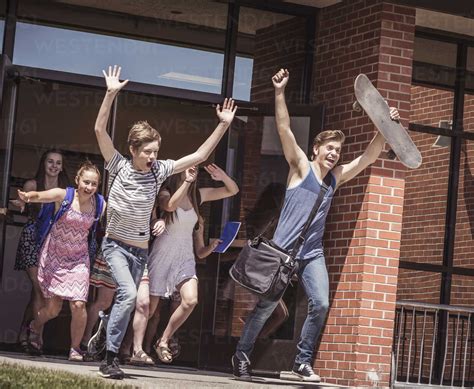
x: 301, y: 238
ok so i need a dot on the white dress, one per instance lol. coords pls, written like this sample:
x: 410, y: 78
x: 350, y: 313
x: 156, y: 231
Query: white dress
x: 171, y: 260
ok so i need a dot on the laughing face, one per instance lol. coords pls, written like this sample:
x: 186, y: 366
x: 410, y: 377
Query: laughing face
x: 327, y: 155
x: 145, y: 156
x: 53, y: 164
x: 87, y: 183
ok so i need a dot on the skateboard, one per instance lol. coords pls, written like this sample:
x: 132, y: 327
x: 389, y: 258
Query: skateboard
x: 97, y: 342
x: 371, y: 101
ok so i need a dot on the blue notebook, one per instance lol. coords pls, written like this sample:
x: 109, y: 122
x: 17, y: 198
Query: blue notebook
x: 227, y: 237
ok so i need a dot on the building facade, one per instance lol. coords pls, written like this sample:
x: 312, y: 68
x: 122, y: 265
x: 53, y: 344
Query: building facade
x: 393, y: 235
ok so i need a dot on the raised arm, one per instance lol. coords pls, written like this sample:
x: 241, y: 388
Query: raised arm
x: 170, y: 203
x: 230, y: 188
x: 225, y: 116
x: 295, y: 157
x: 113, y: 87
x: 46, y: 196
x: 200, y: 248
x: 346, y: 172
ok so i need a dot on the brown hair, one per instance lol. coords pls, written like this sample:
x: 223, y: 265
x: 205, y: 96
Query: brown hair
x: 90, y: 167
x: 327, y: 136
x: 141, y: 133
x: 171, y: 185
x: 63, y: 179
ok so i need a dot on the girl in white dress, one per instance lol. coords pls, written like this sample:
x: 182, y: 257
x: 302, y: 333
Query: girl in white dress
x: 171, y: 262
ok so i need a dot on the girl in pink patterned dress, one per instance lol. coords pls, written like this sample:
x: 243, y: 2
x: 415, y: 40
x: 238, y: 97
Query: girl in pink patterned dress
x: 63, y: 272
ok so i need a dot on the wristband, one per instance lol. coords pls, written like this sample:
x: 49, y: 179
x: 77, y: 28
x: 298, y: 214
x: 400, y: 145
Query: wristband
x: 189, y: 182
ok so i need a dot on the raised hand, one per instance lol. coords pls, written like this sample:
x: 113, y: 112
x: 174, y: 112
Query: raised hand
x: 280, y: 79
x: 216, y: 173
x: 112, y: 79
x: 394, y: 114
x: 191, y: 174
x: 226, y: 114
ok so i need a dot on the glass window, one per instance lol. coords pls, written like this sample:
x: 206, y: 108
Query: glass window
x: 434, y: 61
x: 462, y: 291
x: 435, y: 52
x: 2, y: 32
x: 424, y: 208
x: 468, y: 120
x: 267, y: 41
x: 470, y: 69
x: 181, y: 45
x: 464, y: 241
x: 421, y: 286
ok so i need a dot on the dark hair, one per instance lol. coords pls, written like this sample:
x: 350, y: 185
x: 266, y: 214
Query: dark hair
x: 266, y: 210
x: 63, y: 179
x: 171, y: 185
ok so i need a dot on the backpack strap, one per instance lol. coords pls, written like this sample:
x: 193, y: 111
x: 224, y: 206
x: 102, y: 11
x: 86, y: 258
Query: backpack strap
x: 47, y: 216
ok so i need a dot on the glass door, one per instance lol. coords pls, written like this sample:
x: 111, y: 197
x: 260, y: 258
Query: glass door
x: 255, y: 158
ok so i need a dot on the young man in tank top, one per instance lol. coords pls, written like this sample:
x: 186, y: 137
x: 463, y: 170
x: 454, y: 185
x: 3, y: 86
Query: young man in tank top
x: 133, y: 186
x: 305, y: 179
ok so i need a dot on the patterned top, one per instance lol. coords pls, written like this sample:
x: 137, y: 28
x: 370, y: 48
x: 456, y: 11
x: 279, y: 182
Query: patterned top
x: 132, y: 196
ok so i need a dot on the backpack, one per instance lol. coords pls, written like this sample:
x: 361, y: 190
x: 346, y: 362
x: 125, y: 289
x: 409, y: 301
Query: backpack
x: 47, y: 217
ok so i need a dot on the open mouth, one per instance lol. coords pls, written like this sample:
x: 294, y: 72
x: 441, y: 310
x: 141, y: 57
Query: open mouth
x: 149, y: 164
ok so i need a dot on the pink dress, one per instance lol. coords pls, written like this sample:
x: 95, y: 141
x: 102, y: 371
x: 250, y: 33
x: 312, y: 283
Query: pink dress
x: 64, y: 258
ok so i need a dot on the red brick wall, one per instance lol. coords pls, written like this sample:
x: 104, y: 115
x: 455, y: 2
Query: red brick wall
x: 363, y: 231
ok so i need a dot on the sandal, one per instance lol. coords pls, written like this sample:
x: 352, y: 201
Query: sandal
x: 23, y: 336
x: 141, y: 358
x: 75, y: 355
x: 35, y: 344
x: 174, y: 347
x: 163, y: 352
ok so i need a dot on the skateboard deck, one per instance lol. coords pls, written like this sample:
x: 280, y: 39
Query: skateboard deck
x: 378, y: 111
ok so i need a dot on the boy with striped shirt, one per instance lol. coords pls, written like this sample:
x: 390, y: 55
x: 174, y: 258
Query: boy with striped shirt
x: 133, y: 186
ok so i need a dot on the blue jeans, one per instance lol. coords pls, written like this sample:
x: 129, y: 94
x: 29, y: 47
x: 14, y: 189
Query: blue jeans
x: 313, y: 275
x: 127, y: 264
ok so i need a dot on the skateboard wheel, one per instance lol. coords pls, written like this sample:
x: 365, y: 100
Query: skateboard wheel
x: 356, y: 106
x: 391, y: 154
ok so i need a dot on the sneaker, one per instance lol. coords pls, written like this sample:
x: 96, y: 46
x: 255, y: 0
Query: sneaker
x: 112, y: 371
x: 75, y: 355
x: 241, y: 368
x: 305, y: 372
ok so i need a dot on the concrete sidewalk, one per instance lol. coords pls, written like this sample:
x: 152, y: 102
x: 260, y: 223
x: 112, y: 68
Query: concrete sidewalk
x: 154, y: 377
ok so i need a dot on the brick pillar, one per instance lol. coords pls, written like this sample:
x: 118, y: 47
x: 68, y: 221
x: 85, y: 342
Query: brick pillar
x: 364, y: 226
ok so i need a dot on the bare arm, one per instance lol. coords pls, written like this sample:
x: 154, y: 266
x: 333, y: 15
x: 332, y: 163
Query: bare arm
x: 229, y: 189
x: 170, y: 203
x: 295, y: 157
x: 46, y: 196
x: 113, y: 87
x: 202, y: 251
x: 348, y: 171
x: 226, y: 115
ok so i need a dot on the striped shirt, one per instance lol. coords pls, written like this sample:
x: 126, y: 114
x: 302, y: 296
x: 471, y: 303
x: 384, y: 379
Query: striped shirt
x: 132, y: 196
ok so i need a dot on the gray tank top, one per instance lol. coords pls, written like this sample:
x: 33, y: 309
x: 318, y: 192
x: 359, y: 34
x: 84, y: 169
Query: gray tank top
x: 297, y: 206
